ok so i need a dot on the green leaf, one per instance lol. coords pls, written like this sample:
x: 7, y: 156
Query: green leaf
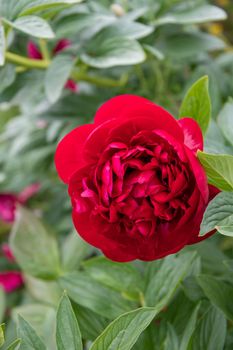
x: 171, y: 341
x: 218, y: 214
x: 121, y: 277
x: 123, y: 332
x: 87, y: 292
x: 48, y: 292
x: 225, y: 121
x: 219, y: 169
x: 105, y: 52
x: 219, y: 293
x: 165, y: 282
x: 189, y: 45
x: 197, y: 104
x: 7, y: 76
x: 2, y: 304
x: 34, y: 248
x: 2, y: 335
x: 42, y: 318
x: 90, y: 323
x: 68, y: 333
x: 154, y: 52
x: 211, y: 331
x: 2, y: 45
x: 15, y: 345
x: 55, y: 82
x: 34, y: 26
x: 200, y: 14
x: 85, y: 25
x: 30, y: 340
x: 74, y: 250
x: 189, y: 329
x: 127, y: 29
x: 40, y: 5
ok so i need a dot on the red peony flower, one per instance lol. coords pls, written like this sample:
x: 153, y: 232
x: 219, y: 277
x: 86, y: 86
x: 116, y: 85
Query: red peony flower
x: 34, y: 53
x: 137, y: 188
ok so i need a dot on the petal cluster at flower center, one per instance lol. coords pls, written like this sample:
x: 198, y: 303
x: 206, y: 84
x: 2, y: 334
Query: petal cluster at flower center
x: 139, y: 186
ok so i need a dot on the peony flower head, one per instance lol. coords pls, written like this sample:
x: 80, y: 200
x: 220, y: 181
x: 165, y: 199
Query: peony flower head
x: 137, y: 188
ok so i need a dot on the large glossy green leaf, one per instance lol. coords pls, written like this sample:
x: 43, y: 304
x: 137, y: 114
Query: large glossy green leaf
x: 34, y: 26
x: 2, y: 45
x: 197, y: 104
x: 55, y: 82
x: 104, y: 52
x: 225, y: 121
x: 219, y: 293
x: 199, y: 14
x: 67, y: 334
x: 211, y: 331
x: 30, y: 340
x: 34, y: 248
x: 123, y: 332
x: 87, y: 292
x: 219, y: 169
x: 218, y: 214
x: 122, y: 277
x: 164, y: 283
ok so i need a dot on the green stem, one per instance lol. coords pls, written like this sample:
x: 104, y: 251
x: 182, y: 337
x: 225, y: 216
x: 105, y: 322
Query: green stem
x: 26, y: 62
x: 44, y: 49
x: 76, y: 74
x: 97, y: 80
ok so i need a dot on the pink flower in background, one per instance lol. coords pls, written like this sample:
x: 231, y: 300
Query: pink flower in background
x: 7, y: 207
x: 10, y: 280
x: 7, y: 252
x: 13, y: 279
x: 34, y: 53
x: 8, y: 202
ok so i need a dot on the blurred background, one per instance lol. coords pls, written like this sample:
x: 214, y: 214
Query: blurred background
x: 54, y: 79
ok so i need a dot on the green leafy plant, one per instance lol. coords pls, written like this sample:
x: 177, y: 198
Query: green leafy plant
x: 176, y: 53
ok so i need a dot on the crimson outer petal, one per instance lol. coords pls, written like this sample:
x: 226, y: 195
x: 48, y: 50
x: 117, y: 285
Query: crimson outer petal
x: 69, y: 152
x: 193, y: 138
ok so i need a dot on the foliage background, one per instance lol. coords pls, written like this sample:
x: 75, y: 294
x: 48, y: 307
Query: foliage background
x: 156, y: 49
